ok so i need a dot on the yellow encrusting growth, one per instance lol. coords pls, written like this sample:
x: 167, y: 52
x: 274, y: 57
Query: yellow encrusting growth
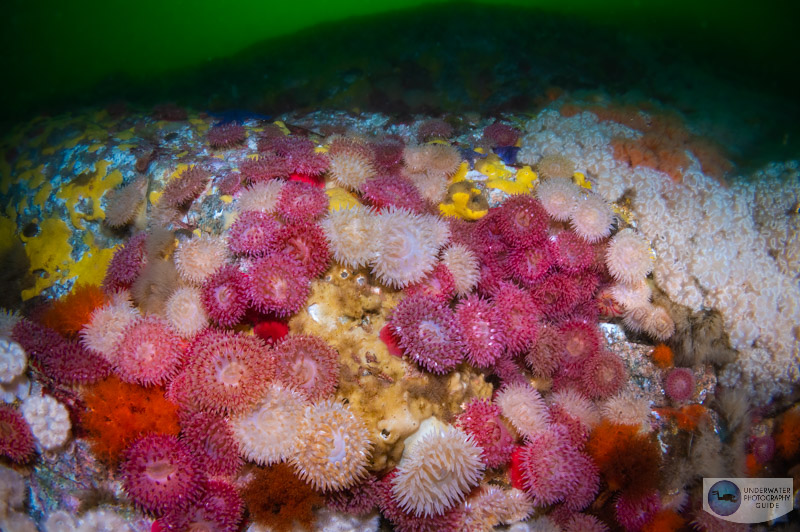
x: 493, y: 168
x: 89, y: 186
x: 522, y: 183
x: 49, y: 253
x: 340, y: 199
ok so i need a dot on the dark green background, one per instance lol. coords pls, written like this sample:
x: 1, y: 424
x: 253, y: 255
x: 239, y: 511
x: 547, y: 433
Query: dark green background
x: 274, y: 56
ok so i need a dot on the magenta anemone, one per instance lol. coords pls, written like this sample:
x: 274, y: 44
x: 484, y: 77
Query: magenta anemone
x: 581, y: 341
x: 523, y: 220
x: 571, y: 253
x: 224, y: 296
x: 226, y: 135
x: 307, y: 364
x: 253, y: 233
x: 528, y: 264
x: 603, y: 375
x: 301, y: 202
x: 439, y: 284
x: 126, y: 264
x: 219, y: 509
x: 481, y: 419
x: 277, y: 284
x: 679, y: 384
x: 482, y: 326
x: 521, y: 317
x: 210, y: 440
x: 428, y: 333
x: 385, y: 191
x: 544, y: 356
x: 16, y: 438
x: 149, y: 353
x: 159, y: 474
x: 306, y: 244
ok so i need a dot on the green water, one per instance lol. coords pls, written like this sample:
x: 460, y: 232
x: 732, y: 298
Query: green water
x: 707, y: 58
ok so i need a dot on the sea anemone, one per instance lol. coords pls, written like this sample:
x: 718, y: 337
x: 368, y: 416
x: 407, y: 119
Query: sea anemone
x: 332, y: 447
x: 634, y: 512
x: 481, y: 325
x: 603, y: 375
x: 149, y: 352
x: 553, y: 470
x: 581, y: 341
x: 265, y: 167
x: 438, y: 284
x: 651, y: 319
x: 16, y: 438
x: 570, y: 253
x: 403, y: 521
x: 558, y: 197
x: 159, y: 474
x: 481, y: 420
x: 528, y: 264
x: 277, y: 284
x: 350, y: 168
x: 154, y: 285
x: 679, y: 384
x: 226, y: 135
x: 434, y: 128
x: 219, y: 509
x: 388, y: 152
x: 520, y: 317
x: 210, y: 440
x: 126, y: 264
x: 584, y: 523
x: 576, y: 412
x: 253, y: 233
x: 393, y: 191
x: 266, y: 434
x: 307, y: 364
x: 305, y: 243
x: 498, y: 134
x: 544, y: 356
x: 592, y: 218
x: 628, y: 257
x: 555, y: 166
x: 439, y: 160
x: 463, y: 264
x: 522, y: 220
x: 438, y: 471
x: 408, y: 246
x: 360, y: 499
x: 224, y: 296
x: 228, y: 372
x: 524, y: 407
x: 631, y: 296
x: 428, y: 333
x: 117, y: 413
x: 196, y: 259
x: 186, y: 187
x: 48, y: 420
x: 125, y: 203
x: 185, y: 311
x: 260, y: 197
x: 627, y: 408
x: 352, y: 235
x: 301, y: 202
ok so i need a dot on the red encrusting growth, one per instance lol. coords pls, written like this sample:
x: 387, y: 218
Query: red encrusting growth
x: 787, y: 437
x: 117, y: 413
x: 276, y: 498
x: 271, y: 331
x: 70, y: 313
x: 628, y: 459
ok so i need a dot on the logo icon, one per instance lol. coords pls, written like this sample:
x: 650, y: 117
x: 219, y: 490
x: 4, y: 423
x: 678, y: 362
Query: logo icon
x: 724, y: 498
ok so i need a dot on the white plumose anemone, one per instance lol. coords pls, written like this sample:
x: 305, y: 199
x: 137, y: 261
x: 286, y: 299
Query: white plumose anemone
x: 266, y: 434
x: 628, y: 257
x: 408, y: 246
x: 331, y: 448
x: 351, y: 234
x: 524, y: 407
x: 440, y: 469
x: 558, y: 197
